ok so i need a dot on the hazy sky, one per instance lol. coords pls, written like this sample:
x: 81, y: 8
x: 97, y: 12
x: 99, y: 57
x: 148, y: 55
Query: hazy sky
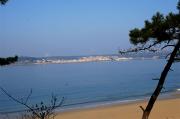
x: 73, y: 27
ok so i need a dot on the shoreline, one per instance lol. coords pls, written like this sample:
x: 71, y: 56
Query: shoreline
x: 164, y: 108
x: 173, y: 94
x: 168, y: 102
x: 164, y: 96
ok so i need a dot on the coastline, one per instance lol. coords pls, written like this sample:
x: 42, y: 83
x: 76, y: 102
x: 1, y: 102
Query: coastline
x: 164, y: 108
x: 84, y: 59
x: 89, y: 105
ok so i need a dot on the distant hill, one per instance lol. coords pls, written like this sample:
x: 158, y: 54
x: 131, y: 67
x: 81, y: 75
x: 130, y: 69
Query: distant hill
x: 146, y: 54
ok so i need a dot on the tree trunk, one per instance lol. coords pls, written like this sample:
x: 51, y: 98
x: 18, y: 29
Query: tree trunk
x: 157, y: 91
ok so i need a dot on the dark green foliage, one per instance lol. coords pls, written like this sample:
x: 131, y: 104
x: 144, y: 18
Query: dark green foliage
x: 9, y: 60
x: 3, y: 2
x: 159, y: 29
x: 178, y: 6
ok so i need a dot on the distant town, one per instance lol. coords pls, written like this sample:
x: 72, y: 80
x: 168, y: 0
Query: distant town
x: 82, y: 59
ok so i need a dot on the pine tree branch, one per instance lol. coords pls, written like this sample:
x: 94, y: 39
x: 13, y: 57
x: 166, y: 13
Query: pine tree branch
x: 142, y: 48
x: 167, y: 46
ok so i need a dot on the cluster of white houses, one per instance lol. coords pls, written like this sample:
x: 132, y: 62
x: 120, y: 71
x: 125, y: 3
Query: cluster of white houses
x: 82, y: 59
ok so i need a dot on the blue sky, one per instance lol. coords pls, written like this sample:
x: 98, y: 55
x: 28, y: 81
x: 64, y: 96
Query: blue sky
x: 73, y: 27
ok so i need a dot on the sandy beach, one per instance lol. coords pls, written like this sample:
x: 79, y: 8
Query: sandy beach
x: 163, y: 109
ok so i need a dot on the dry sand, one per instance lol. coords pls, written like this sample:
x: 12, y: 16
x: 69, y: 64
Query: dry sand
x: 163, y: 109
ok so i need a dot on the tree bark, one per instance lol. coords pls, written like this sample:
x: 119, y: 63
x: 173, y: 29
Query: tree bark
x: 159, y: 87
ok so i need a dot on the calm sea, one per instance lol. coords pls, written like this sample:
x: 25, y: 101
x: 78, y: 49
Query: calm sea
x: 84, y: 84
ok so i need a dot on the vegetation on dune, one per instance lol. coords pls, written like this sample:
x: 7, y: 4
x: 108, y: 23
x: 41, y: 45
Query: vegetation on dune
x: 8, y: 60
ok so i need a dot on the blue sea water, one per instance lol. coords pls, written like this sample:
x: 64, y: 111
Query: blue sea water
x: 84, y: 83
